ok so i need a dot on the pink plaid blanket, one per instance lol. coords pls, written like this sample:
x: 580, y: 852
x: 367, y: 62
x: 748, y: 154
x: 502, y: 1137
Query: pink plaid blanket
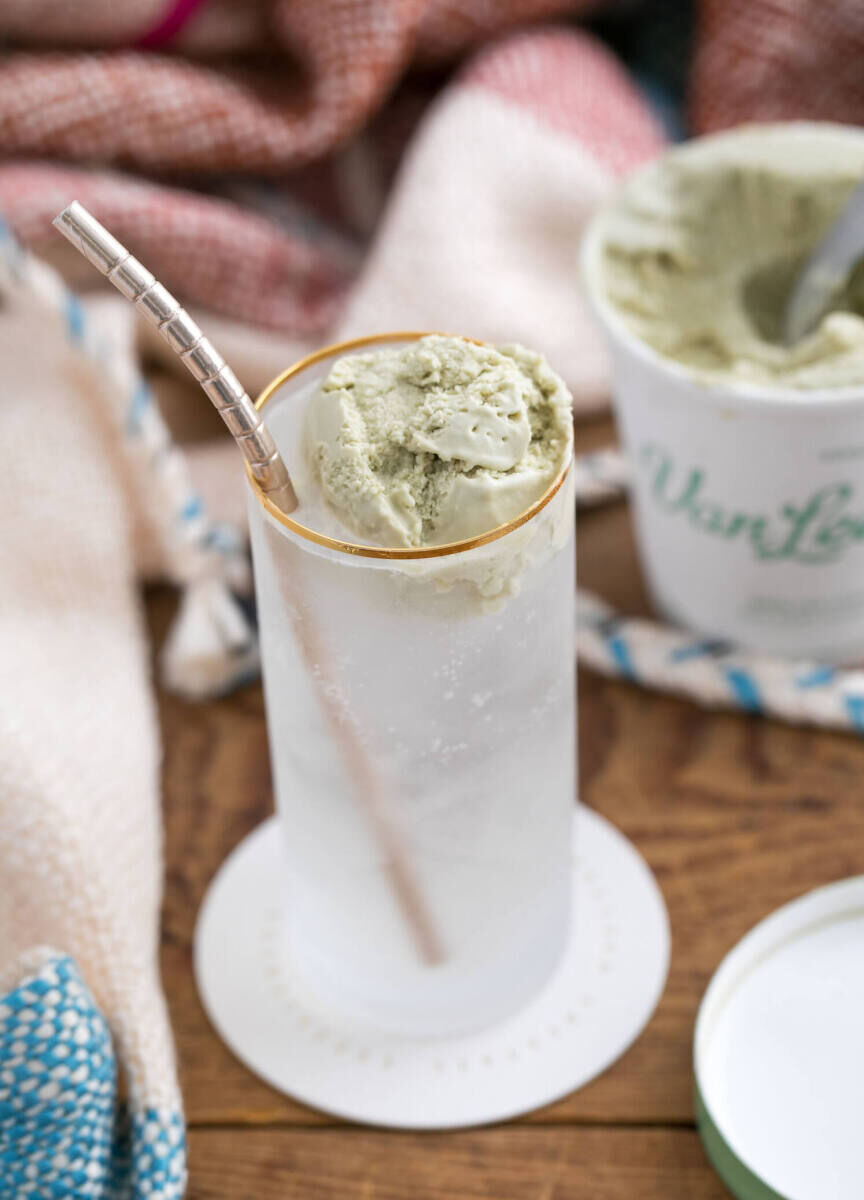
x: 331, y: 65
x: 239, y: 149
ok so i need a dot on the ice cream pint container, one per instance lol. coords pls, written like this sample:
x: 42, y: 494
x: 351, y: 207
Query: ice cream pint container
x: 747, y: 457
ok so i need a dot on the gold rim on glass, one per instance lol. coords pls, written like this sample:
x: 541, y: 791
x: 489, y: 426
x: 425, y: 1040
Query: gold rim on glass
x: 366, y: 551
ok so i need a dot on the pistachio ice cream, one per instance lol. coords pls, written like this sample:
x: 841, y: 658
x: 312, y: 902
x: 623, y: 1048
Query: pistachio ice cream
x: 700, y: 251
x: 438, y: 440
x: 746, y: 456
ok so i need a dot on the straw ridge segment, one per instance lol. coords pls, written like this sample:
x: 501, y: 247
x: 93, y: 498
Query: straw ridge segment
x: 202, y: 360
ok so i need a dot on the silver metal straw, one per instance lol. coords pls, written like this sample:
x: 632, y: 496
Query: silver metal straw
x: 238, y: 412
x: 222, y: 386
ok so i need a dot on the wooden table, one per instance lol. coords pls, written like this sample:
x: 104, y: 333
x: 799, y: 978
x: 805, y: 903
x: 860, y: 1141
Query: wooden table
x: 734, y: 814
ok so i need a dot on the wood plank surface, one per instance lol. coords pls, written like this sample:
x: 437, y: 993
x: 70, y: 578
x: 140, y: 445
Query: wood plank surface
x: 511, y: 1163
x: 734, y: 814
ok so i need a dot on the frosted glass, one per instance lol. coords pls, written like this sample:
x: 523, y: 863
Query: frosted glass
x: 466, y: 711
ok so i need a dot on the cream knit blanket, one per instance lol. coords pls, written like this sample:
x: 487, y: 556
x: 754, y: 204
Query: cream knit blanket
x: 92, y: 495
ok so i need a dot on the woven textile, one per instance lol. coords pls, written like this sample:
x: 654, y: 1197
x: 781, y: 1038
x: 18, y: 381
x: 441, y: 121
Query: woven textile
x: 62, y: 1132
x: 105, y: 499
x: 483, y: 226
x: 332, y: 65
x: 771, y: 60
x: 318, y: 118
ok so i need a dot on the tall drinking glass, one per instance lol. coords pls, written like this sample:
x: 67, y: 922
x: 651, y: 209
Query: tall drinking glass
x: 420, y: 707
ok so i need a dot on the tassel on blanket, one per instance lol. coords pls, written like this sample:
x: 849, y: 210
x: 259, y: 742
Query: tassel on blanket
x: 211, y: 647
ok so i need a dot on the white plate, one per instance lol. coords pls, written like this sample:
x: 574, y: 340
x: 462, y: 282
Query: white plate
x: 596, y: 1004
x: 779, y: 1053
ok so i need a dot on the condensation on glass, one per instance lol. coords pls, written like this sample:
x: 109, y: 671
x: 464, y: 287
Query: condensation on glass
x: 395, y: 685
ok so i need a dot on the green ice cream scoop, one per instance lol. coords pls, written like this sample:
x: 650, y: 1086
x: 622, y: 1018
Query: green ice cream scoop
x: 437, y: 441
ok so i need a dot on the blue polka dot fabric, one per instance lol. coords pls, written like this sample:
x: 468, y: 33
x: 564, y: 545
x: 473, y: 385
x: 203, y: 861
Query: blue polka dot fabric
x: 62, y: 1133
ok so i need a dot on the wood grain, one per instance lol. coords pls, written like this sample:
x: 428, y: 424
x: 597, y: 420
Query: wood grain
x: 514, y: 1163
x: 734, y: 814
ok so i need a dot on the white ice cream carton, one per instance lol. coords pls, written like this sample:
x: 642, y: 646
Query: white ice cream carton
x: 749, y: 498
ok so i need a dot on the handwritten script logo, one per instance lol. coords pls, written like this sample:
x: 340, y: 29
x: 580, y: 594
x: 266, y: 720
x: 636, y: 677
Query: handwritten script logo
x: 813, y: 530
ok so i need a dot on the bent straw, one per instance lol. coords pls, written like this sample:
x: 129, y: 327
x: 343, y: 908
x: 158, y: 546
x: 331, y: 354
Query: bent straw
x: 268, y: 470
x: 222, y: 386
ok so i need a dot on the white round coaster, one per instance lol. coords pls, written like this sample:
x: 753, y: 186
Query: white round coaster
x: 597, y: 1002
